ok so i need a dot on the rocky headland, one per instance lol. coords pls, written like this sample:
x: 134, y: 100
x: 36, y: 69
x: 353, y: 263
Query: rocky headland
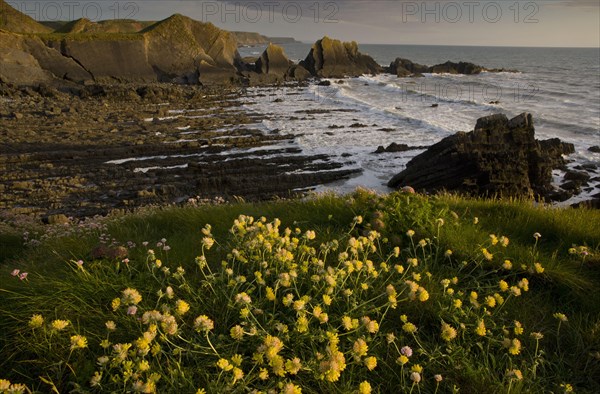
x: 175, y: 50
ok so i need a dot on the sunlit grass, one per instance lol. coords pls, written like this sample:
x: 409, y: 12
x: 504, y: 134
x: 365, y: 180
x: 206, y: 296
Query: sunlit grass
x: 363, y: 293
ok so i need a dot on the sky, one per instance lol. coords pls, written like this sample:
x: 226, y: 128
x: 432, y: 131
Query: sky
x: 546, y: 23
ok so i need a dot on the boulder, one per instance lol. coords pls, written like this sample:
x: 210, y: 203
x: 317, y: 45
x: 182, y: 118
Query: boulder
x: 500, y: 157
x: 331, y: 58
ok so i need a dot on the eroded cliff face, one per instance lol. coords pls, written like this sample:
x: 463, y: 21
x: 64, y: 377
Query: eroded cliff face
x: 177, y: 49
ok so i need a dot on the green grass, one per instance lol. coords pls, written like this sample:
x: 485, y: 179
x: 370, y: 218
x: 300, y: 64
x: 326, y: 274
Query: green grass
x: 354, y: 236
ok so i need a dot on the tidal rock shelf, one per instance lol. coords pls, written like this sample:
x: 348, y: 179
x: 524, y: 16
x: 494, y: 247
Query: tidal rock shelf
x: 126, y: 146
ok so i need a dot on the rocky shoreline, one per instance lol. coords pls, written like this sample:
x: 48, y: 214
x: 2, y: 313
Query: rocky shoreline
x: 81, y: 155
x: 158, y: 119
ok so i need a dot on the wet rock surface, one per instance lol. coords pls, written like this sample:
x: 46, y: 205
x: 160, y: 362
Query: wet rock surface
x: 98, y: 148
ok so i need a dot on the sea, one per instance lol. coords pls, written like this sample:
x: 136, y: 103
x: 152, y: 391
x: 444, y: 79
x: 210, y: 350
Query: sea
x: 349, y: 119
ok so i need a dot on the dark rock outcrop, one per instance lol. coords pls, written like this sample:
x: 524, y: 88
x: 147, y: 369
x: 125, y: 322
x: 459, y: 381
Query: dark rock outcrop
x: 395, y: 148
x: 404, y: 68
x: 500, y: 157
x: 457, y: 68
x: 273, y: 62
x: 331, y: 58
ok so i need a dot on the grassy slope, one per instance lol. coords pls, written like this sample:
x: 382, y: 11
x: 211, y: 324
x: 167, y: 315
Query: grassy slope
x: 566, y: 286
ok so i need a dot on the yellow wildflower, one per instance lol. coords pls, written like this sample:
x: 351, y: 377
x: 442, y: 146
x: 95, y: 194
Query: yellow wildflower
x: 181, y: 307
x: 514, y: 346
x: 524, y: 284
x: 237, y: 332
x: 270, y: 294
x: 36, y: 321
x: 402, y: 360
x: 560, y: 316
x: 360, y: 347
x: 237, y: 374
x: 566, y: 387
x: 423, y: 294
x: 302, y: 324
x: 490, y: 301
x: 59, y: 325
x: 143, y: 365
x: 364, y: 388
x: 291, y: 388
x: 237, y: 359
x: 448, y: 332
x: 538, y: 268
x: 371, y: 363
x: 515, y: 374
x: 480, y: 330
x: 293, y: 366
x: 487, y: 255
x: 224, y: 364
x: 78, y: 342
x: 263, y: 374
x: 518, y: 328
x: 409, y: 328
x: 507, y: 265
x: 203, y: 323
x: 498, y: 298
x: 243, y: 298
x: 503, y: 285
x: 372, y: 326
x: 131, y: 297
x: 537, y: 335
x: 347, y: 323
